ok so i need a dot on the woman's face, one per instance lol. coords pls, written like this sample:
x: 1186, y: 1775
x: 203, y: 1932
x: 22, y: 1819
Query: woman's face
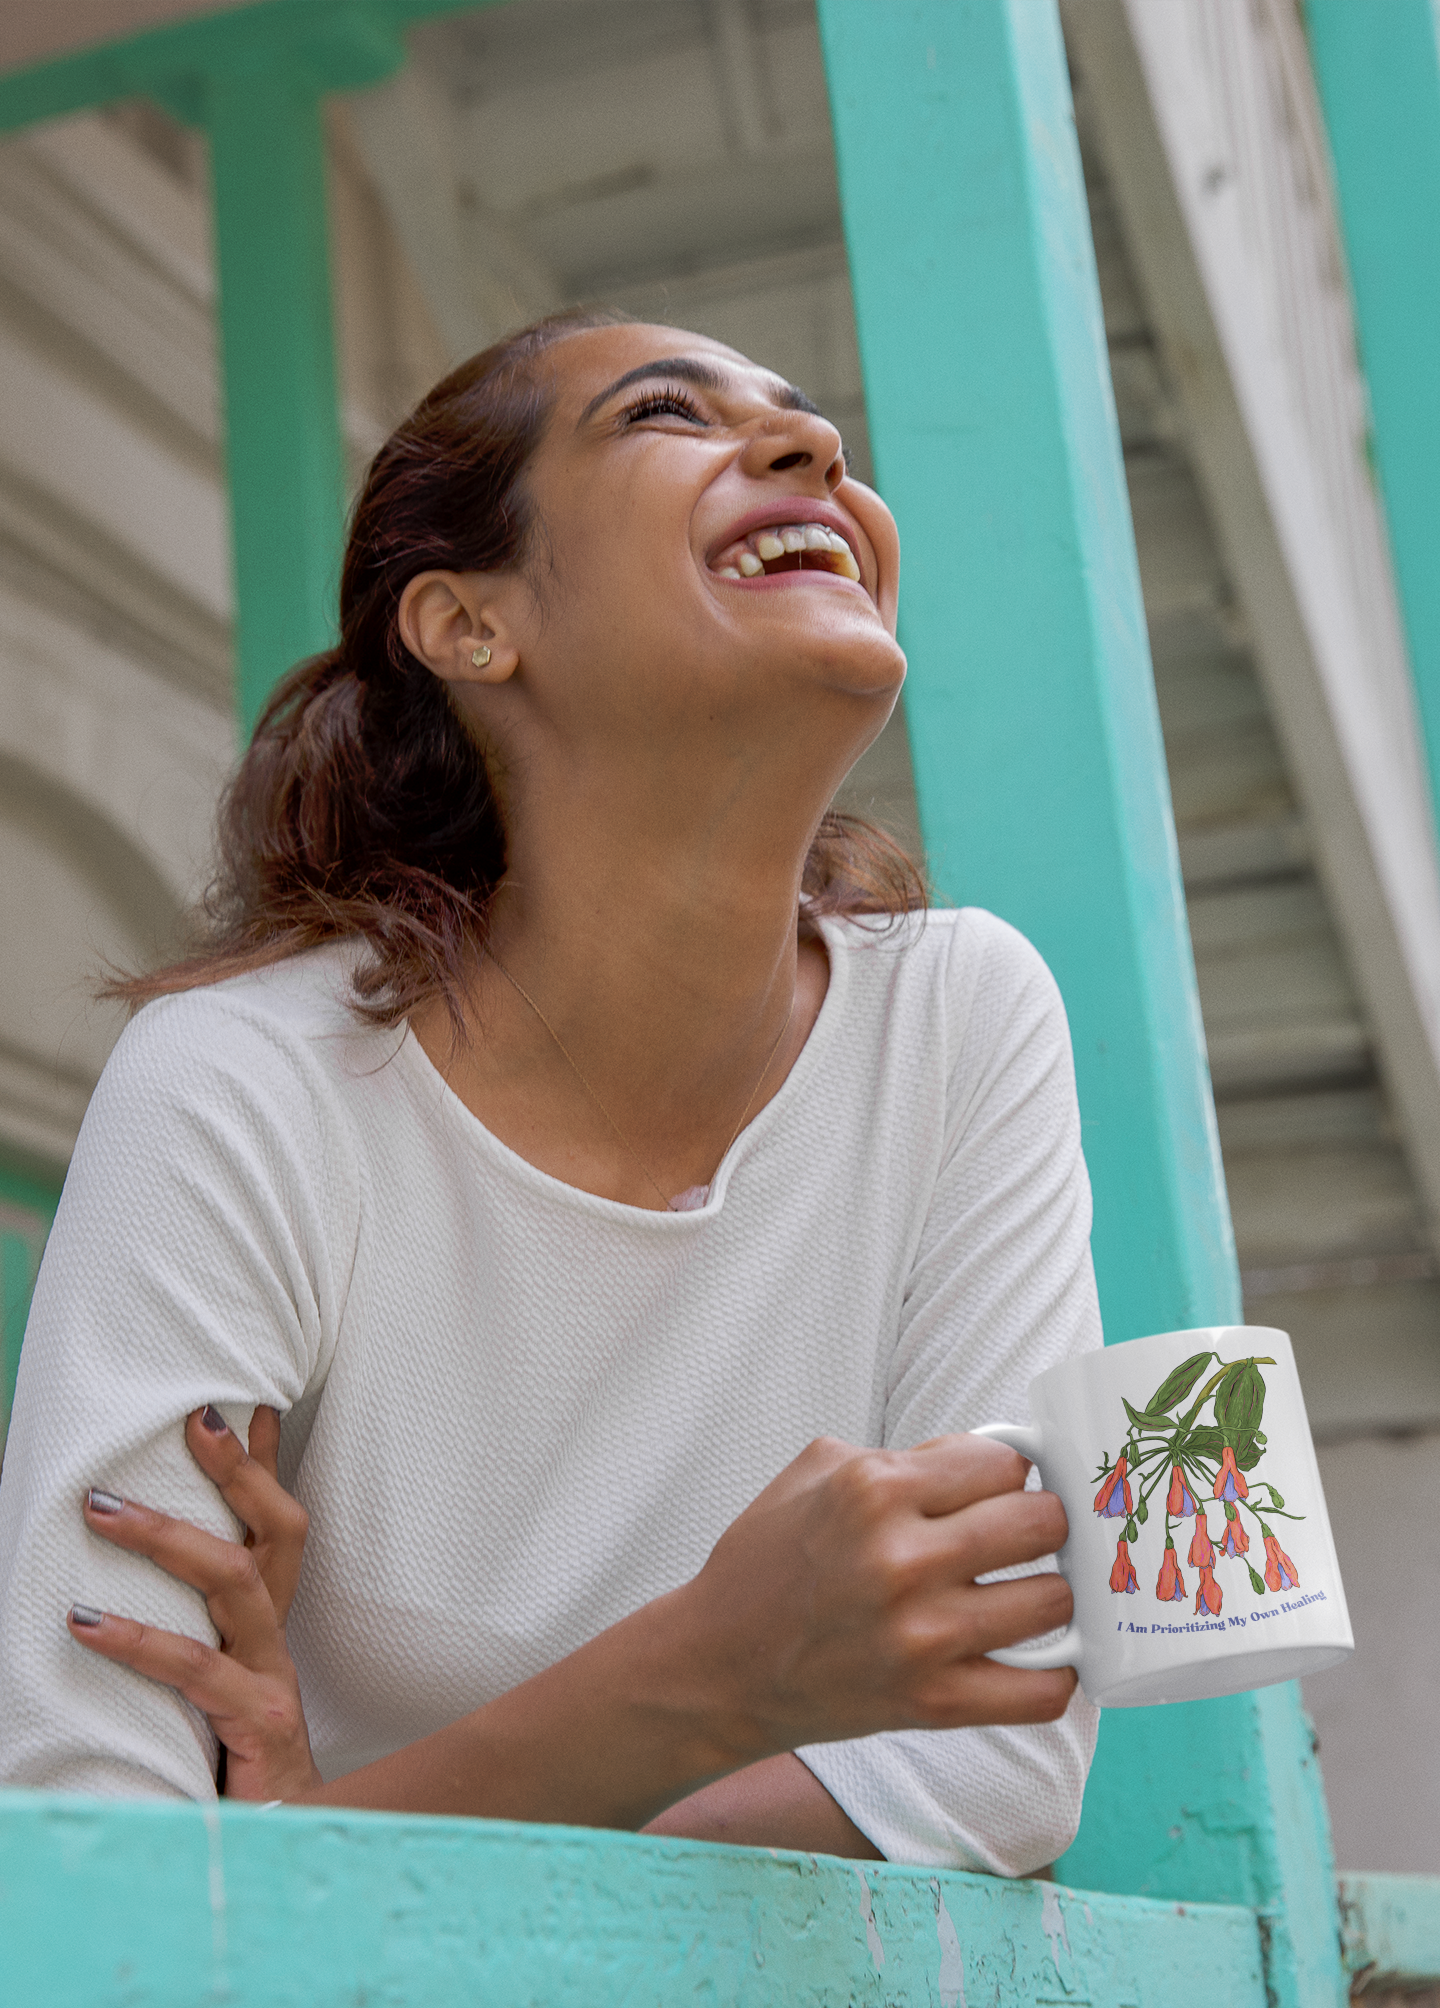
x: 704, y: 575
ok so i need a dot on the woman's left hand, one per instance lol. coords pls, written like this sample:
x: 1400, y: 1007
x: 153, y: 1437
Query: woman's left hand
x: 247, y: 1685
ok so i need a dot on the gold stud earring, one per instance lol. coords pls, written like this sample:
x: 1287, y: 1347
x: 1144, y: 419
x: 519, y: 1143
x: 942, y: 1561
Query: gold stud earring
x: 480, y: 656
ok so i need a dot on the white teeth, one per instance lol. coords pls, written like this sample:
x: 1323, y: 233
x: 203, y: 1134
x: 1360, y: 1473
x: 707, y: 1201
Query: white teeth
x: 787, y: 540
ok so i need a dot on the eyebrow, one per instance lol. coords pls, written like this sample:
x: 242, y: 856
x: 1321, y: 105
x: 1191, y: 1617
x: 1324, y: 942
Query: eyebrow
x: 704, y: 375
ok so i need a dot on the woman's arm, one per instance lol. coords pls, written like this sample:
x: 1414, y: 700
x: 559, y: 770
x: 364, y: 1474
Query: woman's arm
x: 843, y: 1600
x: 202, y: 1253
x: 1000, y: 1288
x: 777, y: 1803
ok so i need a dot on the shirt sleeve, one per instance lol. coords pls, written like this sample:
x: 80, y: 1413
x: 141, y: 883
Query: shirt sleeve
x: 200, y: 1253
x: 1001, y: 1288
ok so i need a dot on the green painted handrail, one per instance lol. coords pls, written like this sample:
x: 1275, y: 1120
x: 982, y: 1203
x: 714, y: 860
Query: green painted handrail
x: 165, y: 1906
x: 1390, y: 1927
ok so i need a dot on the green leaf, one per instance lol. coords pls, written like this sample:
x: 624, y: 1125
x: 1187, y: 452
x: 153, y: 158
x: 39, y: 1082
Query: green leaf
x: 1261, y: 1437
x: 1240, y: 1400
x: 1248, y: 1454
x: 1257, y: 1583
x: 1142, y: 1419
x: 1178, y: 1383
x: 1142, y: 1512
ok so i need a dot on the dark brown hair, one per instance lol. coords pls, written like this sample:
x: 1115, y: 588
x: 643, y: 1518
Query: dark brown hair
x: 362, y: 808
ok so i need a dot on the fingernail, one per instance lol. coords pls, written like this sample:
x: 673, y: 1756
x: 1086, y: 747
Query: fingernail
x: 213, y: 1420
x: 103, y: 1502
x: 82, y: 1614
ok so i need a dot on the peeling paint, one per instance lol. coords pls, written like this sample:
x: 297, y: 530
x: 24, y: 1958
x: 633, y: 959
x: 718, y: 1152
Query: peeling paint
x: 872, y: 1936
x: 1052, y: 1923
x: 210, y: 1813
x: 951, y: 1978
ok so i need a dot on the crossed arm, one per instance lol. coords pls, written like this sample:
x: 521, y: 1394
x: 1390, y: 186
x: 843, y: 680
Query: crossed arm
x: 842, y: 1602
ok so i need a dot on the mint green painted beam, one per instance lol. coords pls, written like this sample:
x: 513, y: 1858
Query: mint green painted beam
x: 283, y: 448
x: 1378, y: 70
x: 254, y: 77
x: 282, y: 428
x: 1039, y: 765
x: 27, y: 1208
x: 337, y: 44
x: 156, y: 1905
x: 1043, y: 793
x: 1391, y: 1928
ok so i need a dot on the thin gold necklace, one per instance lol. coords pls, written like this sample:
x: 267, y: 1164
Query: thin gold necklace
x: 666, y: 1201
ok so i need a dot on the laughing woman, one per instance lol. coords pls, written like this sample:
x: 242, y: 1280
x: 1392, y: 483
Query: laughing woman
x: 623, y: 1193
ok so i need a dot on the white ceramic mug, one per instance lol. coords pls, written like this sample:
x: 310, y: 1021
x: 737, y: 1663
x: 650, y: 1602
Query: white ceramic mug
x: 1199, y: 1550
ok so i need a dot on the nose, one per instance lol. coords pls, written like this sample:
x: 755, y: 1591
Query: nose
x: 789, y: 441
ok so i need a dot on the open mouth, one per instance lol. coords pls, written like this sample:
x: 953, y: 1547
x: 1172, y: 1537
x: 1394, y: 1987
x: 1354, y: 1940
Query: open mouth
x: 786, y: 547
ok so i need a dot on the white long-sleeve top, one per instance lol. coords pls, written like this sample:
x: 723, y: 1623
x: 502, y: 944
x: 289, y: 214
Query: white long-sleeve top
x: 514, y: 1410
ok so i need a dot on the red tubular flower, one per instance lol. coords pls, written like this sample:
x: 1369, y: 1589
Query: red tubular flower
x: 1207, y: 1597
x: 1180, y: 1503
x: 1229, y: 1481
x: 1113, y: 1500
x: 1170, y: 1589
x: 1202, y: 1549
x: 1122, y: 1576
x: 1280, y: 1571
x: 1234, y: 1541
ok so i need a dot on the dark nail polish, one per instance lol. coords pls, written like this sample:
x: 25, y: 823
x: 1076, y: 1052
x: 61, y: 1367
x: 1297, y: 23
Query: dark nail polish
x: 82, y: 1614
x: 103, y: 1502
x: 214, y: 1421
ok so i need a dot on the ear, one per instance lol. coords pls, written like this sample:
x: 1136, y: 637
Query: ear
x: 445, y: 619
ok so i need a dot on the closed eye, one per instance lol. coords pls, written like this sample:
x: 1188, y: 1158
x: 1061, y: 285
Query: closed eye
x: 671, y: 402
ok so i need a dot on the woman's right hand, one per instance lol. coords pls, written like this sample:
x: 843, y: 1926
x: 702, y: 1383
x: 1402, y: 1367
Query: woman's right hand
x: 247, y: 1685
x: 843, y: 1601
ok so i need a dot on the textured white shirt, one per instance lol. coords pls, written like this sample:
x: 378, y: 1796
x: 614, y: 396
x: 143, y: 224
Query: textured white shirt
x: 514, y: 1410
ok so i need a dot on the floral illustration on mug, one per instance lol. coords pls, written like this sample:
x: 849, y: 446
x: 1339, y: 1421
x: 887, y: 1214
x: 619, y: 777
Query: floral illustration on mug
x: 1197, y: 1465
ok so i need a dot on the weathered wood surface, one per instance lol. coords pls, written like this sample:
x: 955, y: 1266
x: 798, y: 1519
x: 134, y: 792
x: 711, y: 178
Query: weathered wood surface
x: 1390, y: 1929
x: 165, y: 1906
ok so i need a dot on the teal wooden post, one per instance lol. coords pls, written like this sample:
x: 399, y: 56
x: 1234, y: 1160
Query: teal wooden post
x: 1378, y: 70
x: 27, y: 1207
x: 1043, y: 793
x: 254, y: 77
x: 282, y: 424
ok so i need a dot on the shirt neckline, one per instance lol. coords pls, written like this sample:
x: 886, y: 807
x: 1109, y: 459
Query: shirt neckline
x: 411, y: 1053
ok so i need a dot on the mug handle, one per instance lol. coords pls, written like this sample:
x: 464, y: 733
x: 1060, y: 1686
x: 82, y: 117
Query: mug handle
x: 1065, y: 1650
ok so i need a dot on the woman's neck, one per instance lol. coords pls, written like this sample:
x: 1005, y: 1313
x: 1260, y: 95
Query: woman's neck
x: 638, y: 994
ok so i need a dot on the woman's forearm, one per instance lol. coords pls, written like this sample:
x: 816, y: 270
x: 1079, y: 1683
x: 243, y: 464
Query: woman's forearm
x: 842, y: 1602
x: 777, y: 1803
x: 608, y: 1737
